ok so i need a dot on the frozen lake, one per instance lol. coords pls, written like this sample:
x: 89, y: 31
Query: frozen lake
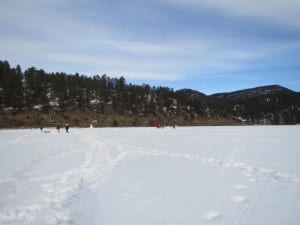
x: 243, y: 175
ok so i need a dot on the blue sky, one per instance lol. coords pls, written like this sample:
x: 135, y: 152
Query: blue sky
x: 211, y: 46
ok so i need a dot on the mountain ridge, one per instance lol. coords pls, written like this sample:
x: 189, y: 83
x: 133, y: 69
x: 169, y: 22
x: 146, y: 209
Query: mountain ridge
x: 35, y: 97
x: 253, y: 92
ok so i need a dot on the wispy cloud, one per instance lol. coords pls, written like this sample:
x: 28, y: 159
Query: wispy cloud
x: 153, y: 40
x: 283, y: 12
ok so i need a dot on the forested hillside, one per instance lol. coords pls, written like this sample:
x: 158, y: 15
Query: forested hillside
x: 34, y: 97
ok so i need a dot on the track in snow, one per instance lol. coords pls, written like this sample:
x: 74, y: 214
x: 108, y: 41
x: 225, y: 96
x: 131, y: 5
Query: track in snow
x: 47, y: 187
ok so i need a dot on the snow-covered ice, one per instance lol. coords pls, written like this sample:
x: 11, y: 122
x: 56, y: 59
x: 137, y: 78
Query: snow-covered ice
x: 132, y: 176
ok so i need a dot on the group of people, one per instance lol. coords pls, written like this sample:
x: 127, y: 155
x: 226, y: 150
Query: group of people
x: 66, y: 128
x: 57, y: 128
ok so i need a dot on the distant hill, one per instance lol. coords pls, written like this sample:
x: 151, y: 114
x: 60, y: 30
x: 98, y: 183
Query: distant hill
x: 34, y: 97
x: 245, y: 94
x: 190, y: 94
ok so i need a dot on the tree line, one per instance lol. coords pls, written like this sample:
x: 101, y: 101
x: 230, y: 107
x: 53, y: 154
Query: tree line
x: 23, y: 90
x: 35, y: 88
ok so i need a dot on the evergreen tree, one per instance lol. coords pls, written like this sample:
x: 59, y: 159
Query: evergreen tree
x: 11, y: 88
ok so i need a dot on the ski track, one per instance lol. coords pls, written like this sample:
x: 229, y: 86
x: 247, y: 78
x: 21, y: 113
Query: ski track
x: 58, y: 191
x: 212, y: 215
x: 246, y: 204
x: 246, y: 169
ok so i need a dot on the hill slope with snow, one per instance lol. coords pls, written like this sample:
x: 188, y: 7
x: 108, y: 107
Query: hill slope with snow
x: 262, y: 91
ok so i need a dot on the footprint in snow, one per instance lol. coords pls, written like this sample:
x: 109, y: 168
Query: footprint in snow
x: 212, y: 215
x: 239, y: 199
x: 239, y: 187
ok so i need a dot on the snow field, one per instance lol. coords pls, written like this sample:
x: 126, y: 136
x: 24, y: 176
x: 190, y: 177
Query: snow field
x: 113, y: 176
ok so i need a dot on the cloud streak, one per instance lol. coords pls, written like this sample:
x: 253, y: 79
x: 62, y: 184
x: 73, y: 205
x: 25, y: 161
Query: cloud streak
x: 286, y: 12
x: 170, y: 40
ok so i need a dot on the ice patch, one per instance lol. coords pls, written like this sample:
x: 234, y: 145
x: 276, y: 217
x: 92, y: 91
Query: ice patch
x: 212, y: 215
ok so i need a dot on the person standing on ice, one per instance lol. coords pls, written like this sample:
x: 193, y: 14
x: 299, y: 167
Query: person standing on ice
x: 58, y: 128
x: 67, y: 128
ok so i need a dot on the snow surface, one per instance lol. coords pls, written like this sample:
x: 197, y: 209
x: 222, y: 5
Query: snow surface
x: 148, y: 176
